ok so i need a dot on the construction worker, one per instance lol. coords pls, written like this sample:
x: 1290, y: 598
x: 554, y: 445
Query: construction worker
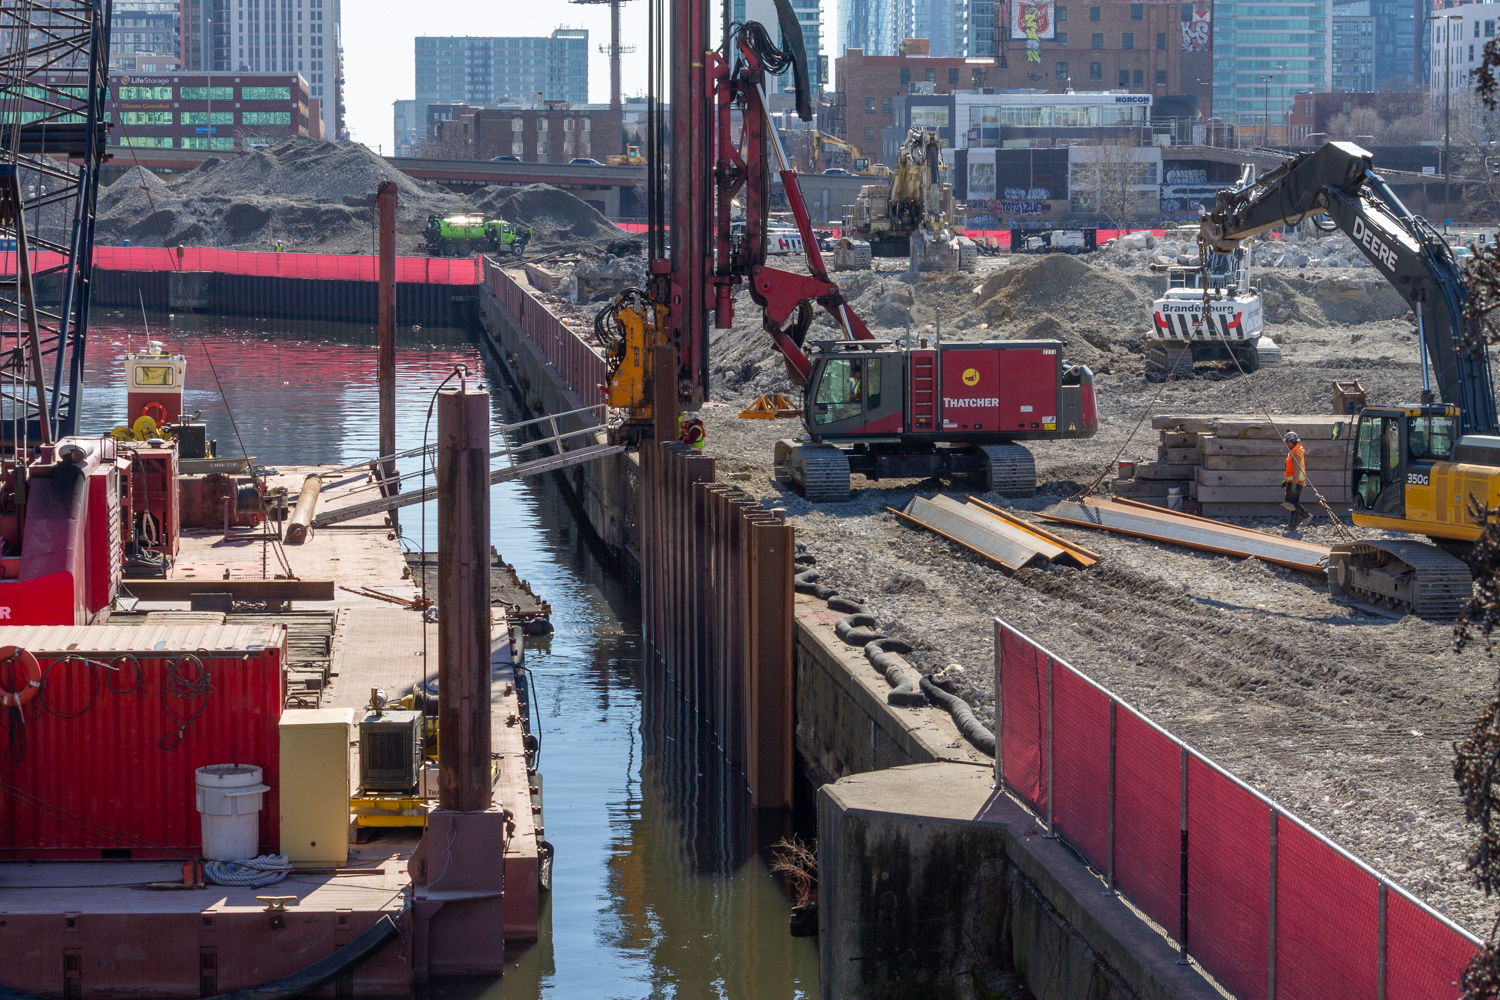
x: 690, y: 430
x: 1293, y: 481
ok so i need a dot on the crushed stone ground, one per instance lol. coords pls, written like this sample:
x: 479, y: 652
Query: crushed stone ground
x: 1346, y: 719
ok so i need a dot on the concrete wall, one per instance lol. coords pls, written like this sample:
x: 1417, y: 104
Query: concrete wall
x: 933, y: 885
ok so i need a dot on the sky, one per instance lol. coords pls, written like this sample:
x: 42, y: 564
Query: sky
x: 379, y: 48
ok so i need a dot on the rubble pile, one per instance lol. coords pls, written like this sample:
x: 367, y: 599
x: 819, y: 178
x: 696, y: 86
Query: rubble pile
x: 1179, y: 248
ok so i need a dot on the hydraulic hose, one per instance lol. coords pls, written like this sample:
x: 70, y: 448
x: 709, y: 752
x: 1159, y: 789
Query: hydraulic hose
x: 963, y: 716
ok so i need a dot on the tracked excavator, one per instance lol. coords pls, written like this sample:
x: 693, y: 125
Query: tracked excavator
x: 870, y: 406
x: 909, y: 214
x: 1413, y: 467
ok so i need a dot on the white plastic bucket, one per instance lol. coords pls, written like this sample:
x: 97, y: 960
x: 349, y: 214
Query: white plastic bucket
x: 229, y: 799
x: 1174, y: 498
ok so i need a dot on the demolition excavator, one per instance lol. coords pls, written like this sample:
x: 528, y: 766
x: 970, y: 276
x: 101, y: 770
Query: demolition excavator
x: 1420, y: 468
x: 870, y: 406
x: 910, y: 213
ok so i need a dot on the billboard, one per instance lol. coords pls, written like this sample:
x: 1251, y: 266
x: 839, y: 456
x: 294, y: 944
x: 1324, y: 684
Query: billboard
x: 1035, y: 21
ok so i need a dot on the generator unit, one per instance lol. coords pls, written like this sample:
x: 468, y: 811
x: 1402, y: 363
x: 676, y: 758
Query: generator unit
x: 390, y: 751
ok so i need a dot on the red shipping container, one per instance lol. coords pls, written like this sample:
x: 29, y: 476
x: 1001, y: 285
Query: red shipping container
x: 103, y: 766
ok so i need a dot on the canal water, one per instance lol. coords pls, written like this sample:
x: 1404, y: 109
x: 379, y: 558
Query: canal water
x: 661, y: 887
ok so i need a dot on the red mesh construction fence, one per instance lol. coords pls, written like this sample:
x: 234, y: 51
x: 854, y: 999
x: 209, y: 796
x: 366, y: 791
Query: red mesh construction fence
x: 1148, y: 818
x: 1327, y: 915
x: 1424, y: 957
x: 580, y: 363
x: 1229, y: 879
x: 1080, y: 763
x: 344, y: 267
x: 1023, y: 720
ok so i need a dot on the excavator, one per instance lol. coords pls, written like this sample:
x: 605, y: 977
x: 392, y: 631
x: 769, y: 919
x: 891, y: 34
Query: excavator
x: 910, y: 214
x: 870, y: 406
x: 858, y: 161
x: 1421, y: 467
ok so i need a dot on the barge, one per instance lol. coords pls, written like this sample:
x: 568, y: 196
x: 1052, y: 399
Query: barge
x: 155, y: 629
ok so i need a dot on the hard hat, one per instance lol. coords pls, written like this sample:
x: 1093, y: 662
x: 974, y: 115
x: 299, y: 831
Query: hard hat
x: 1290, y: 437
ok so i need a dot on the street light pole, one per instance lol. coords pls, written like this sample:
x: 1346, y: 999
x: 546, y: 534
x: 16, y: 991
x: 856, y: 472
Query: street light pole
x: 1285, y: 114
x: 1265, y: 132
x: 1447, y: 102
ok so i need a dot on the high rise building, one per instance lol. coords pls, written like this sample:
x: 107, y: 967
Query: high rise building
x: 272, y: 36
x: 145, y: 34
x: 1265, y: 53
x: 491, y: 70
x: 809, y: 16
x: 1353, y: 46
x: 1397, y: 26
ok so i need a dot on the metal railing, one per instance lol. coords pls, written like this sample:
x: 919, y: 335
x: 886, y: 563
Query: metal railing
x: 1264, y: 902
x: 580, y: 363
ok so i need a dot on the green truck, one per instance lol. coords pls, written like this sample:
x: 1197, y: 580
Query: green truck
x: 462, y: 235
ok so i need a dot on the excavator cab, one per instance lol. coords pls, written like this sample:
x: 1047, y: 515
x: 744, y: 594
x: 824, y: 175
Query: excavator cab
x: 854, y: 392
x: 1395, y: 448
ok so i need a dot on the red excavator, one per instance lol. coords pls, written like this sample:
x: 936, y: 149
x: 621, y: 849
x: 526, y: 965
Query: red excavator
x: 870, y: 406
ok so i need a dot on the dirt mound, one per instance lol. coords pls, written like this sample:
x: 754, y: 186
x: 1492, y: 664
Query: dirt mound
x: 555, y: 216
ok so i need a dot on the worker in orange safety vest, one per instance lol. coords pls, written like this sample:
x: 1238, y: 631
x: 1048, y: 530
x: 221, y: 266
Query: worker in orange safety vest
x: 1293, y: 481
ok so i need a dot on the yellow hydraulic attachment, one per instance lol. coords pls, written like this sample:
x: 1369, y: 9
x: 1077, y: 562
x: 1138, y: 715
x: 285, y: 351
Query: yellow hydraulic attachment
x: 631, y: 326
x: 770, y: 407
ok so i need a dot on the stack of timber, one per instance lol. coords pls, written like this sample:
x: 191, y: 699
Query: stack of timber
x: 993, y: 533
x: 1232, y: 465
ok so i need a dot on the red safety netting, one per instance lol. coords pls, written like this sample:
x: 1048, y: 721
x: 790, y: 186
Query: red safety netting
x: 1080, y: 763
x: 1148, y: 818
x: 343, y: 267
x: 1326, y: 920
x: 1229, y: 879
x: 1023, y: 720
x: 1425, y: 957
x: 578, y: 361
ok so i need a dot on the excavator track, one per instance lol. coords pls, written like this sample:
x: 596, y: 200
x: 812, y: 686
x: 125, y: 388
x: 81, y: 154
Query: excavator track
x: 819, y: 471
x: 1010, y: 470
x: 1405, y: 576
x: 852, y: 255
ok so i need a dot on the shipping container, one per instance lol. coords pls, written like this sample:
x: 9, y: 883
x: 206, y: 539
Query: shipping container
x: 100, y: 763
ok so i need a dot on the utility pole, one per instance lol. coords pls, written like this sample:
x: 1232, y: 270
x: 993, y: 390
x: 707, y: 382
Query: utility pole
x: 1447, y: 100
x: 1285, y: 114
x: 1265, y: 132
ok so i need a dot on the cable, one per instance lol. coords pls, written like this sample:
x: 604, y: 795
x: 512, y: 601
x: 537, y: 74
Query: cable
x: 179, y: 685
x: 87, y: 825
x: 1087, y: 491
x: 93, y: 698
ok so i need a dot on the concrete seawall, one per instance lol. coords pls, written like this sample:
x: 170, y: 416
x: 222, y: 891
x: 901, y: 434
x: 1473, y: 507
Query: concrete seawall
x: 932, y: 884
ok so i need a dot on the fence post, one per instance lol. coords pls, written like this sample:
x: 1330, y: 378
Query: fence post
x: 1111, y: 862
x: 1271, y: 907
x: 1183, y: 914
x: 999, y: 712
x: 1051, y: 827
x: 1381, y: 965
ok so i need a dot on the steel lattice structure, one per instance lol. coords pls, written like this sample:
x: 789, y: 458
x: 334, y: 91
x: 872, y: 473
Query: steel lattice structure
x: 54, y: 74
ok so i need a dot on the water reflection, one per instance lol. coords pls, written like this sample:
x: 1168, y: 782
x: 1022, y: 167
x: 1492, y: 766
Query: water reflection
x: 661, y: 887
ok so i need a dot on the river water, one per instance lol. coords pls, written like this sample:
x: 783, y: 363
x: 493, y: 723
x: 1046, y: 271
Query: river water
x: 661, y: 887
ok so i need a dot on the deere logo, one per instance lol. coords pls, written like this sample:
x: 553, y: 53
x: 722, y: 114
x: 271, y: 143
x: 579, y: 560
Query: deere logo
x: 971, y: 376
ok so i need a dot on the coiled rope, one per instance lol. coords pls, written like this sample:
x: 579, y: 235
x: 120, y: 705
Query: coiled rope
x: 268, y: 869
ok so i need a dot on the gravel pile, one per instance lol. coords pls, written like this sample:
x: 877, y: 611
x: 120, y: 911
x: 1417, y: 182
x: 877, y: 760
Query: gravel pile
x: 1179, y: 248
x: 312, y: 195
x: 1344, y: 718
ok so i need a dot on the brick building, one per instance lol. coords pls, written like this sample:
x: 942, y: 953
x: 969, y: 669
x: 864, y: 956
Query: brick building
x: 1310, y: 113
x: 1137, y: 47
x: 178, y: 110
x: 553, y: 134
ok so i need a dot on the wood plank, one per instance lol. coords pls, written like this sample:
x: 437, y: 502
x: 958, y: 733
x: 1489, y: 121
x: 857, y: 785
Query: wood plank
x: 1215, y: 460
x: 1266, y: 494
x: 1324, y: 479
x: 1196, y: 423
x: 242, y: 590
x: 1193, y: 532
x: 1216, y: 445
x: 1179, y: 439
x: 1308, y: 428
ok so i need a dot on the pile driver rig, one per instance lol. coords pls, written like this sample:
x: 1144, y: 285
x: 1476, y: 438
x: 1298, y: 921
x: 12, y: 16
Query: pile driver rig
x: 871, y: 406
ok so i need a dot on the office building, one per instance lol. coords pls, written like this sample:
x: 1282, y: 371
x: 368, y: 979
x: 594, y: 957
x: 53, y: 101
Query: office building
x: 473, y: 70
x: 145, y: 35
x: 810, y: 17
x: 1397, y: 54
x: 409, y: 127
x: 1265, y: 54
x: 1353, y: 46
x: 209, y: 111
x: 1457, y: 50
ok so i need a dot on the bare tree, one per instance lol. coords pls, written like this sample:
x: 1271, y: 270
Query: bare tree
x: 1357, y: 121
x: 1113, y: 175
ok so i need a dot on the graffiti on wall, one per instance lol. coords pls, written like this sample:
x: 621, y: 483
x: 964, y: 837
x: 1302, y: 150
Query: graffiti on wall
x: 1195, y: 32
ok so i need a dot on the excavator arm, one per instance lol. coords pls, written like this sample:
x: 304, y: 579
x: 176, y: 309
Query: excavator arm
x: 1338, y: 181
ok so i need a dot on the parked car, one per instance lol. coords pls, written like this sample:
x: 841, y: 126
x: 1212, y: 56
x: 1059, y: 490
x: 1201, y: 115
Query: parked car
x: 838, y: 172
x: 584, y: 161
x: 505, y: 159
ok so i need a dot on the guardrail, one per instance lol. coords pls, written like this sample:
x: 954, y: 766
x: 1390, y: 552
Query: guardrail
x: 1264, y: 902
x: 580, y: 364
